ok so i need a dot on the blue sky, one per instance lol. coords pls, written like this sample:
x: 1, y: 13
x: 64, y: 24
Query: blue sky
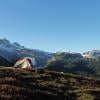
x: 52, y: 25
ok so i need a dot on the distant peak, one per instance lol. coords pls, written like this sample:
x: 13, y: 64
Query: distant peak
x: 4, y: 41
x: 17, y: 44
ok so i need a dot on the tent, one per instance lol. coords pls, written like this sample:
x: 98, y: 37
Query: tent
x: 25, y: 62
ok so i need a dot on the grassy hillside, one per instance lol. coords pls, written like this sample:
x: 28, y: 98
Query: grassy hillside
x: 24, y: 84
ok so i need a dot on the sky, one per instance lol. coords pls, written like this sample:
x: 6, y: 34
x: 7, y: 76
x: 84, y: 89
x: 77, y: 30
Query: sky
x: 52, y: 25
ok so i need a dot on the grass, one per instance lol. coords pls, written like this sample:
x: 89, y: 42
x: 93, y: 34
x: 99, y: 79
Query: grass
x: 25, y: 84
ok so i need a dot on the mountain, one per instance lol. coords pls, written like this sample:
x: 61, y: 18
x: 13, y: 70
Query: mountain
x: 68, y: 62
x: 91, y: 54
x: 60, y: 61
x: 4, y: 62
x: 75, y: 63
x: 14, y: 51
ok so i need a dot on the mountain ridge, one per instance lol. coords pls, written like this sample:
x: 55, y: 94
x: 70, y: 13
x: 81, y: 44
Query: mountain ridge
x: 13, y: 51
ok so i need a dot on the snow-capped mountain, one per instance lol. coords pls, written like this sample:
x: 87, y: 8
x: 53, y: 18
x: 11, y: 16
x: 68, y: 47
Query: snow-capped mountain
x: 92, y: 54
x: 13, y: 51
x: 8, y: 50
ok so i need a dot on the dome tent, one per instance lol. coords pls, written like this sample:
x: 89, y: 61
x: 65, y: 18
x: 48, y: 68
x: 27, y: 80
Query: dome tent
x: 26, y: 62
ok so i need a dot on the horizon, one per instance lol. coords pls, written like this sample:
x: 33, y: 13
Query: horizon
x: 48, y: 51
x: 52, y: 26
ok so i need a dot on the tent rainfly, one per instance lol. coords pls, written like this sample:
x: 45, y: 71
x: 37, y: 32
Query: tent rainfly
x: 25, y: 62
